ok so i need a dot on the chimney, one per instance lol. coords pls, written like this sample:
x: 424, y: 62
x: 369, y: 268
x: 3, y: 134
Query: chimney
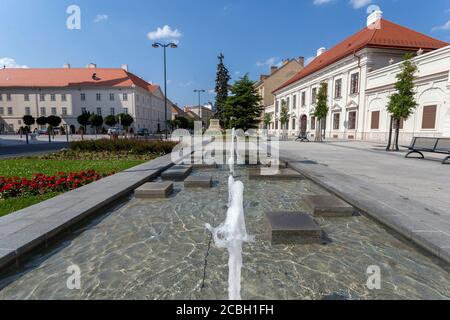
x: 301, y: 60
x: 374, y: 17
x: 91, y: 66
x: 321, y: 51
x: 66, y: 66
x: 286, y: 61
x: 125, y: 67
x: 262, y: 77
x: 273, y: 69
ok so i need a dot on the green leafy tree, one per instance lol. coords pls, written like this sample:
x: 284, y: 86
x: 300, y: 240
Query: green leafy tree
x: 28, y: 121
x: 84, y: 120
x: 321, y: 111
x: 242, y: 109
x: 42, y: 121
x: 222, y: 87
x: 402, y: 103
x: 53, y: 121
x: 284, y: 115
x: 125, y: 120
x: 267, y: 120
x: 111, y: 120
x: 96, y: 120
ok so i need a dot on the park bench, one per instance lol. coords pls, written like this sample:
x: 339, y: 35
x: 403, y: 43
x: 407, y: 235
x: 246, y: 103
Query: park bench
x: 433, y: 145
x: 303, y: 137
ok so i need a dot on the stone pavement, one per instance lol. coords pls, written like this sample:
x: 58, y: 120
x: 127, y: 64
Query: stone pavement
x: 410, y: 196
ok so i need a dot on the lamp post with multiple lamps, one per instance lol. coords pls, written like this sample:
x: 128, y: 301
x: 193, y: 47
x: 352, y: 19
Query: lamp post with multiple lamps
x: 165, y: 46
x: 200, y: 91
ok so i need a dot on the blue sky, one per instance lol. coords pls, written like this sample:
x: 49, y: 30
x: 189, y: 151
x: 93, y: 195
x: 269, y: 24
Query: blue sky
x: 251, y: 34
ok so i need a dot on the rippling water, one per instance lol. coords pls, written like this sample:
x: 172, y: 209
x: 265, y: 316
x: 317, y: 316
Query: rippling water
x: 155, y: 249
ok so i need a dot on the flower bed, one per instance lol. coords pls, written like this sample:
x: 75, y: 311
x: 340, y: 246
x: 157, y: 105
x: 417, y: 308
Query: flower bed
x: 41, y: 184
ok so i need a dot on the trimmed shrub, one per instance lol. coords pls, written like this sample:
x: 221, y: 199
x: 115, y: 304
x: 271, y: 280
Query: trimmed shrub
x: 131, y: 146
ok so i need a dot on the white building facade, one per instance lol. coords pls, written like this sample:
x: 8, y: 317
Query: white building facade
x: 67, y: 93
x: 360, y: 75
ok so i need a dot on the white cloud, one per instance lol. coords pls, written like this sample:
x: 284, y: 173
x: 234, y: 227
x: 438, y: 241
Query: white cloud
x: 273, y: 61
x: 320, y: 2
x: 309, y: 60
x: 445, y: 26
x: 10, y: 63
x: 100, y: 17
x: 357, y: 4
x: 165, y: 32
x: 186, y: 84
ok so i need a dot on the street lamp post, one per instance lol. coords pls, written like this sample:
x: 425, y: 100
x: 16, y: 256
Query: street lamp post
x: 200, y: 91
x: 165, y: 46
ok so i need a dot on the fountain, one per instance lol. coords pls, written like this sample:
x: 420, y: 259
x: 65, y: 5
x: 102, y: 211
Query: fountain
x: 232, y: 233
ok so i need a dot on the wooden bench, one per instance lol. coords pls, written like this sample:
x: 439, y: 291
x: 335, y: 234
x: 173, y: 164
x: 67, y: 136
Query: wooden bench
x: 303, y: 137
x: 433, y: 145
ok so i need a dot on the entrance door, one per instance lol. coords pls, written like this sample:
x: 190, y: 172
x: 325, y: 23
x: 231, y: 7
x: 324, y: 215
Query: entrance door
x: 303, y: 124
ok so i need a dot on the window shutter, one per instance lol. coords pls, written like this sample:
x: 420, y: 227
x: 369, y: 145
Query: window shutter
x: 375, y: 120
x: 429, y: 117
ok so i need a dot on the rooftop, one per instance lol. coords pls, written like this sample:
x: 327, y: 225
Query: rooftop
x: 386, y: 35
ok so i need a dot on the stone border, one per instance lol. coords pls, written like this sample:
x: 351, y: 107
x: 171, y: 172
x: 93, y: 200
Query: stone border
x: 24, y: 230
x: 409, y: 218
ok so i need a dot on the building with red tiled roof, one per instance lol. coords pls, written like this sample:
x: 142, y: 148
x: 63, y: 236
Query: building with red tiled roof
x: 345, y: 69
x: 67, y: 92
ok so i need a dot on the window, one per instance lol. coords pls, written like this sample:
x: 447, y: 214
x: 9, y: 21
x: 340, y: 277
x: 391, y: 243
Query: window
x: 111, y: 97
x: 64, y: 111
x: 294, y: 102
x: 293, y: 124
x: 83, y: 97
x: 43, y: 111
x: 276, y: 106
x: 2, y: 111
x: 314, y: 96
x: 354, y: 85
x: 288, y: 103
x: 112, y: 111
x: 1, y: 97
x: 276, y: 125
x: 42, y: 97
x: 8, y: 97
x: 27, y: 111
x: 429, y: 117
x: 303, y: 99
x: 26, y: 97
x: 99, y: 111
x: 83, y: 110
x: 375, y: 123
x: 63, y: 97
x: 125, y: 110
x: 53, y: 97
x: 98, y: 96
x: 53, y: 111
x: 352, y: 120
x: 402, y: 123
x: 10, y: 111
x: 336, y: 121
x: 338, y: 89
x: 125, y: 97
x: 313, y: 123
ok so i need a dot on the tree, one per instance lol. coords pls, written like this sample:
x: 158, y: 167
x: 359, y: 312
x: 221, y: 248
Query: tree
x: 96, y: 120
x: 53, y: 121
x: 402, y: 103
x: 321, y: 111
x: 111, y: 120
x: 267, y: 120
x: 284, y: 115
x: 42, y: 121
x: 242, y: 109
x: 84, y: 120
x: 222, y: 87
x: 125, y: 120
x: 28, y: 121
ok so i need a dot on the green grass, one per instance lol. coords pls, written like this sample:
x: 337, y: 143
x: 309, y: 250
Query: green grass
x: 27, y: 167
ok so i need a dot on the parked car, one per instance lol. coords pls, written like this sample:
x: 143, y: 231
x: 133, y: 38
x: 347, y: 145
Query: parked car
x: 143, y: 132
x: 42, y: 132
x: 115, y: 130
